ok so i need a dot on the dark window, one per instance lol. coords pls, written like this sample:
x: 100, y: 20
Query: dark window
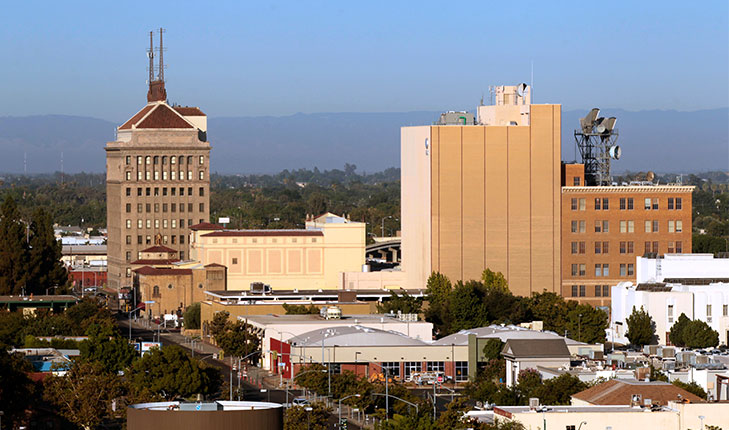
x: 574, y: 204
x: 655, y: 203
x: 630, y: 248
x: 156, y: 191
x: 189, y: 191
x: 605, y: 204
x: 129, y: 240
x: 597, y: 204
x: 655, y: 247
x: 622, y: 247
x: 182, y: 191
x: 129, y: 191
x: 139, y: 239
x: 173, y: 207
x: 574, y: 226
x: 622, y: 203
x: 182, y: 239
x: 606, y: 290
x: 189, y: 207
x: 147, y: 191
x: 140, y: 207
x: 156, y: 207
x: 574, y: 291
x: 582, y: 291
x: 155, y: 291
x: 148, y: 207
x: 679, y: 203
x: 670, y: 203
x: 435, y: 366
x: 173, y: 191
x: 164, y: 207
x: 574, y: 270
x: 129, y: 255
x: 182, y: 255
x: 679, y: 247
x: 129, y: 207
x: 202, y: 207
x: 139, y: 191
x: 598, y: 290
x: 598, y: 247
x: 202, y: 191
x: 630, y: 203
x: 174, y: 239
x: 128, y: 159
x: 461, y: 371
x: 605, y: 247
x: 164, y: 191
x: 393, y: 368
x: 576, y: 181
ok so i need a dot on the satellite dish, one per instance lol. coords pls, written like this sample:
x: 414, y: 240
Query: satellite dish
x: 521, y: 89
x: 601, y: 123
x: 650, y: 176
x: 615, y: 152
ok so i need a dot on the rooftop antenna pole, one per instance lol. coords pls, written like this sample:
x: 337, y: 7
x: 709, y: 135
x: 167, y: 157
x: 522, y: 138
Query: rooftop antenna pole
x: 161, y: 73
x: 531, y: 85
x: 150, y: 54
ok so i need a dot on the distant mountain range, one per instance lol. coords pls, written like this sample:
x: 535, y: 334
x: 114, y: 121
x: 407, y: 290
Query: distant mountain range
x: 663, y: 141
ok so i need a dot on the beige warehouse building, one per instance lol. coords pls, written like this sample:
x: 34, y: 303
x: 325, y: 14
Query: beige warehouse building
x: 484, y: 195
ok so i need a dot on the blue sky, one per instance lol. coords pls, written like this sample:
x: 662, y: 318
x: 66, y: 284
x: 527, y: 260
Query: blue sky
x: 278, y: 58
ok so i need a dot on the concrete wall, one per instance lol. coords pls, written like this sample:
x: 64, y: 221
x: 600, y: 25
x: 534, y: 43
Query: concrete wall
x: 372, y: 280
x: 681, y: 266
x: 494, y: 202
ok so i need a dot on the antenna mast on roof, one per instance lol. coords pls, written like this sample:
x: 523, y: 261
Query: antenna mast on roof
x: 161, y: 73
x: 150, y: 54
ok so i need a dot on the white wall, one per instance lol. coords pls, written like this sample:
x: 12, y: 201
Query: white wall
x: 681, y: 266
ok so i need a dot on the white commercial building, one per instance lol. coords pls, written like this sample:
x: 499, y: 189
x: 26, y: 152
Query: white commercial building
x: 693, y: 284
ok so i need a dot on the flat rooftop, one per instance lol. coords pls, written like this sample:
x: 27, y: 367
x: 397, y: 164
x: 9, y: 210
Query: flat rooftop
x: 219, y: 405
x: 312, y: 319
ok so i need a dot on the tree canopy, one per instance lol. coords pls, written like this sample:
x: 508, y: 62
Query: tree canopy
x: 641, y: 327
x: 693, y: 334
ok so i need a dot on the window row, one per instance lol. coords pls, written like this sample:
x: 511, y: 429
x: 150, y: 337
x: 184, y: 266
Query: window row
x: 156, y: 159
x: 411, y: 367
x: 600, y: 290
x: 173, y: 207
x: 627, y: 226
x: 139, y: 256
x: 627, y: 203
x: 155, y: 175
x: 148, y: 223
x: 147, y: 240
x: 149, y: 191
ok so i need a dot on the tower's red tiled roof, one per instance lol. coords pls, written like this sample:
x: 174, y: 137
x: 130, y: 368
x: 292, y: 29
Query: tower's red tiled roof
x: 188, y: 111
x: 159, y: 115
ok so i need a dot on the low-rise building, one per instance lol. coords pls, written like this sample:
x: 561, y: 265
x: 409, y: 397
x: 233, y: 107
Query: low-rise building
x: 633, y: 392
x: 522, y: 354
x: 312, y: 258
x: 693, y: 284
x: 674, y: 416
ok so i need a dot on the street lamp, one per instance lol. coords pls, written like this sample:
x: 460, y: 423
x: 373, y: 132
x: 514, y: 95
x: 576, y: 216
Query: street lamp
x: 579, y: 327
x: 340, y: 405
x: 308, y: 410
x: 701, y: 417
x: 383, y: 224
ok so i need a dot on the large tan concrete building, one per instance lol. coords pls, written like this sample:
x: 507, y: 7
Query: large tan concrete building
x: 286, y: 259
x: 485, y: 195
x: 605, y: 228
x: 157, y: 182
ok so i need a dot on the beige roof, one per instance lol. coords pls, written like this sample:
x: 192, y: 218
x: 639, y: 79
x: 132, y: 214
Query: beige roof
x: 620, y: 392
x: 536, y: 348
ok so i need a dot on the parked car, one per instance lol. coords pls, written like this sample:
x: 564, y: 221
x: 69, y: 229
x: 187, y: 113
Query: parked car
x: 300, y: 401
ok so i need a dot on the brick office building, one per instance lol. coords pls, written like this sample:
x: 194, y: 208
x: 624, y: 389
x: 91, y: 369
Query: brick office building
x: 157, y: 180
x: 604, y: 229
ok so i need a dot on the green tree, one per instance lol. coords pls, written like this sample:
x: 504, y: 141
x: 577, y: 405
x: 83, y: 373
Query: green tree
x: 492, y: 349
x: 298, y: 418
x: 85, y: 394
x: 691, y: 387
x: 313, y: 377
x: 300, y: 309
x: 16, y: 389
x: 641, y: 328
x: 559, y: 390
x: 191, y: 317
x: 46, y: 268
x: 677, y: 329
x: 219, y: 323
x: 466, y: 306
x: 13, y: 249
x: 238, y: 340
x: 438, y: 291
x: 494, y: 280
x: 106, y: 346
x: 169, y: 373
x: 587, y: 324
x: 402, y: 302
x: 698, y: 334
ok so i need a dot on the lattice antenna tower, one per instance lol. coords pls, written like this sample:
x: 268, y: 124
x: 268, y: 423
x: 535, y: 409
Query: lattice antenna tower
x: 150, y: 55
x: 161, y: 71
x: 596, y: 140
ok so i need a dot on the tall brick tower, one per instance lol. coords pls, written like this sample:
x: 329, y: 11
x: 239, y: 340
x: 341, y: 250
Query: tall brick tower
x: 157, y: 178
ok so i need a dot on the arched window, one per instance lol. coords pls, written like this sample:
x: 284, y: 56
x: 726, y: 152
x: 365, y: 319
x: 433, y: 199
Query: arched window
x: 189, y: 159
x: 155, y: 291
x: 147, y: 159
x: 156, y: 159
x: 173, y: 159
x: 164, y: 160
x: 181, y: 159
